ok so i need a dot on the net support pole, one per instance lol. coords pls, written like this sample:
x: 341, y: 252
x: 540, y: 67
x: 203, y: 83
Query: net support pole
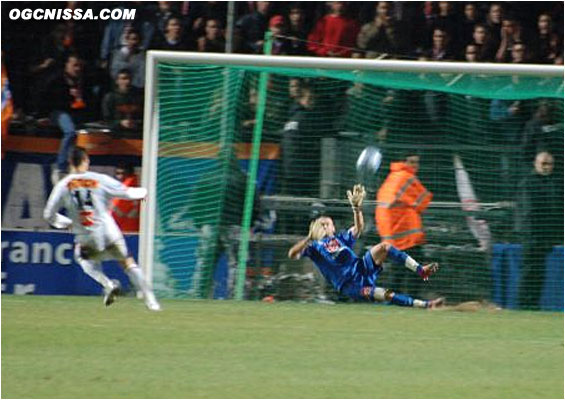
x: 243, y: 253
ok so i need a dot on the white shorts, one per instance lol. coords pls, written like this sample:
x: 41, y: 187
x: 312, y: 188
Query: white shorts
x: 113, y: 251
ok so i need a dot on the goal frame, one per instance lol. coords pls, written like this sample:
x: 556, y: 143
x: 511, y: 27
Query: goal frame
x: 151, y: 117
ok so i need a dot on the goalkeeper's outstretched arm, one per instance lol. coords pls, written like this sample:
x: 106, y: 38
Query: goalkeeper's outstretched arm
x: 356, y: 198
x: 359, y: 223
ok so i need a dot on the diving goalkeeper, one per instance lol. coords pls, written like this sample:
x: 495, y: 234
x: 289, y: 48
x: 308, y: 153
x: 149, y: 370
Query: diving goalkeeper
x: 353, y: 276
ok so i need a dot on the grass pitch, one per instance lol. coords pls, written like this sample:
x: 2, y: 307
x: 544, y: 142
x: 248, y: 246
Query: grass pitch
x: 72, y: 347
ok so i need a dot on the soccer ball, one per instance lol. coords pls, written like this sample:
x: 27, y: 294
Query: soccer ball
x: 369, y: 160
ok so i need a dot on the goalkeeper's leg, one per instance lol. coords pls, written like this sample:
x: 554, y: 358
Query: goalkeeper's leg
x: 384, y: 251
x: 399, y: 299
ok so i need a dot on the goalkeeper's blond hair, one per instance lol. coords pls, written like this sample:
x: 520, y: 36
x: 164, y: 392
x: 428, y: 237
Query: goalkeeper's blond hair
x: 317, y: 232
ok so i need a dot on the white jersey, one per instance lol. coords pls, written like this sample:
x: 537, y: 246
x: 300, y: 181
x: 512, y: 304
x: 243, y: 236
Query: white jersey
x: 86, y: 197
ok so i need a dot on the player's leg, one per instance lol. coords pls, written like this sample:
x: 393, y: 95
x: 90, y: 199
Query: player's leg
x: 136, y: 277
x: 399, y: 299
x: 118, y: 250
x: 383, y: 251
x: 368, y: 289
x: 65, y: 122
x: 91, y: 266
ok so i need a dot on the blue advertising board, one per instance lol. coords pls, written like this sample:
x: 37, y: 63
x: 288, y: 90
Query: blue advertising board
x: 506, y: 265
x: 43, y: 263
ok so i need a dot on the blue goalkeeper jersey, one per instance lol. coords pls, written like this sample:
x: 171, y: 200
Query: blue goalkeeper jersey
x: 334, y: 257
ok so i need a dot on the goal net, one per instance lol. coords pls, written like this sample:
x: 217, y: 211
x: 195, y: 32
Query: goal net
x: 242, y: 151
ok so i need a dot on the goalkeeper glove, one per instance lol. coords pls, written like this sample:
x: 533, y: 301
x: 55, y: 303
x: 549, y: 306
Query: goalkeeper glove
x: 357, y: 196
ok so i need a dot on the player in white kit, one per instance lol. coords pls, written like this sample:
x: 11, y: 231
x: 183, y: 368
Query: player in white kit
x: 86, y: 196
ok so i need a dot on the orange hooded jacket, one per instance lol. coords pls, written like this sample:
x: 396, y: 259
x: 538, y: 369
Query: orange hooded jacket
x: 7, y: 106
x: 400, y: 201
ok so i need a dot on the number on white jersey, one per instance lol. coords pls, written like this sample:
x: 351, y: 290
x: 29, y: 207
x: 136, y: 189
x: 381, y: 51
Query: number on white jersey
x: 83, y: 199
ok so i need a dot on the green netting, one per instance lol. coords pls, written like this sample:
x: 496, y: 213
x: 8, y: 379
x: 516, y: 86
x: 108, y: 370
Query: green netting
x: 316, y: 123
x: 491, y: 87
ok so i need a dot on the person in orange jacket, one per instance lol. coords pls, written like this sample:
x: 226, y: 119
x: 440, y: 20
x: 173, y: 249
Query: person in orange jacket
x: 126, y: 212
x: 400, y: 201
x: 7, y: 106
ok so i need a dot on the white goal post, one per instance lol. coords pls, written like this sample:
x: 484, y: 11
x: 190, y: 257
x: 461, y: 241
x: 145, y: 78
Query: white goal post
x: 151, y: 117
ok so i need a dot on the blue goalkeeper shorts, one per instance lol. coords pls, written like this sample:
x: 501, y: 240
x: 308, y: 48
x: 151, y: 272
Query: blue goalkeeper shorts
x: 364, y: 281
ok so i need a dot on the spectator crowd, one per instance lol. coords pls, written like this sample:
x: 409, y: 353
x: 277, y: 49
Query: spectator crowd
x: 65, y: 75
x: 95, y: 70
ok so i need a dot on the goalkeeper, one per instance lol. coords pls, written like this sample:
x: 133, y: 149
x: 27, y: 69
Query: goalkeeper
x: 353, y: 276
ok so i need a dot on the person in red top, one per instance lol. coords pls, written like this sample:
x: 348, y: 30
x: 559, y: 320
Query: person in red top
x: 334, y: 35
x: 400, y: 201
x: 126, y: 212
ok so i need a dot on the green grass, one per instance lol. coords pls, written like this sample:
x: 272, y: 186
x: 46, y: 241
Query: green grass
x: 72, y: 347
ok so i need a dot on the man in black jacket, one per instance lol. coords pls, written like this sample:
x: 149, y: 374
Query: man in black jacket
x: 122, y: 108
x: 301, y: 148
x: 539, y: 223
x: 67, y: 101
x: 251, y: 28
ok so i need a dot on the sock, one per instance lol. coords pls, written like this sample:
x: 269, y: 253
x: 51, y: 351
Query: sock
x: 400, y: 257
x: 402, y: 300
x: 136, y: 277
x: 420, y: 303
x: 138, y: 280
x: 94, y: 270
